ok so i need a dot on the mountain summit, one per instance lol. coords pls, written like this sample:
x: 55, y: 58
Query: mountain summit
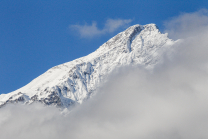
x: 75, y: 81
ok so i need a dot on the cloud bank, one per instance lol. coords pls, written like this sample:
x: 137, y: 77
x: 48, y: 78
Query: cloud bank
x: 111, y: 25
x: 170, y: 102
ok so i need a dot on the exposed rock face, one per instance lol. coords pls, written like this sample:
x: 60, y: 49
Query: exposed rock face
x: 75, y: 81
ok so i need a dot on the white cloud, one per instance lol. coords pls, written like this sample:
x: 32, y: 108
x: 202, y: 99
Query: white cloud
x: 170, y: 102
x: 186, y: 24
x: 111, y: 25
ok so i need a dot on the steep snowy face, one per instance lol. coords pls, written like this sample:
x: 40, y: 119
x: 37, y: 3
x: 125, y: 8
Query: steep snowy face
x: 75, y: 81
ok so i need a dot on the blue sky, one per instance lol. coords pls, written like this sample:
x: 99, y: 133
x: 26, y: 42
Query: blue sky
x: 36, y: 35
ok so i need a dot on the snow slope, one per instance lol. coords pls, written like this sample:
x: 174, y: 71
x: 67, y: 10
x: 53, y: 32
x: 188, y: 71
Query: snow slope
x: 75, y: 81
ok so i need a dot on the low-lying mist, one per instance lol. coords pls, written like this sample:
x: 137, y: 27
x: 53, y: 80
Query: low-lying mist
x: 168, y: 102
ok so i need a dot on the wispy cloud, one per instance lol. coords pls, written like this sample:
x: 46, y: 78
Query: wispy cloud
x: 187, y: 24
x: 111, y: 25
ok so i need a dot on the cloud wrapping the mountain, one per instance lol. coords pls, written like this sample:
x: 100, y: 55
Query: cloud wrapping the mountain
x: 111, y: 25
x: 168, y: 102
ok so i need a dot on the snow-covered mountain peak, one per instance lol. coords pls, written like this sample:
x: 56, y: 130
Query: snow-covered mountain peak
x: 76, y: 81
